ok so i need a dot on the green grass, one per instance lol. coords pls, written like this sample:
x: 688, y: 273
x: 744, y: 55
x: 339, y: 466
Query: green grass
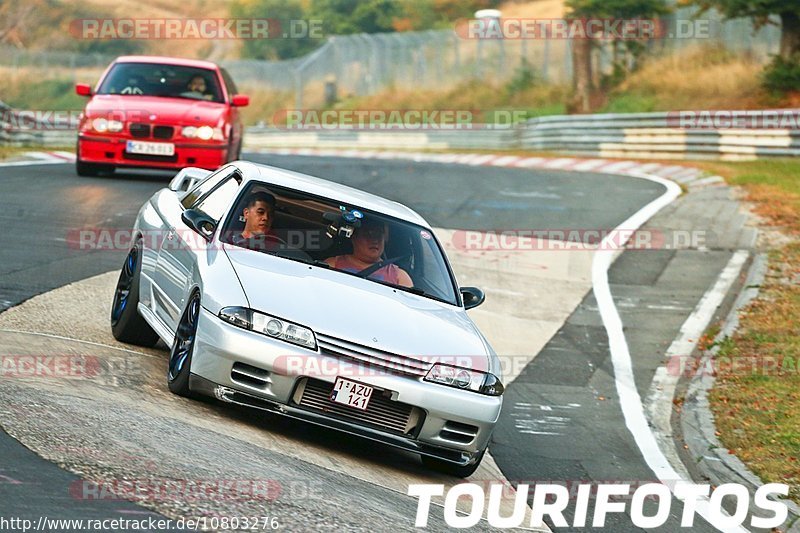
x: 7, y: 152
x: 630, y: 103
x: 50, y: 94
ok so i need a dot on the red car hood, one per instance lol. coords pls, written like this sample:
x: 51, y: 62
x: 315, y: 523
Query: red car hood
x: 178, y: 111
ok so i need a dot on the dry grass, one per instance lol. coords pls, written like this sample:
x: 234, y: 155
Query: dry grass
x: 756, y: 399
x: 474, y: 95
x: 697, y: 78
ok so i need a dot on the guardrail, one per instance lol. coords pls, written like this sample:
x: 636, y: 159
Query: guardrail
x: 633, y: 135
x: 660, y: 135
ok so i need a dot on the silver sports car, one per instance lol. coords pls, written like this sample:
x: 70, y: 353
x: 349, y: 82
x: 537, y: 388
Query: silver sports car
x: 288, y: 293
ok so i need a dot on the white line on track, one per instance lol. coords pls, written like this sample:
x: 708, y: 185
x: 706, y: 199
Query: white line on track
x: 629, y: 399
x: 662, y: 389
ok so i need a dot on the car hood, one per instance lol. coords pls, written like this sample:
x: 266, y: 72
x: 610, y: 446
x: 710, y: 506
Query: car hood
x: 140, y: 108
x: 356, y: 310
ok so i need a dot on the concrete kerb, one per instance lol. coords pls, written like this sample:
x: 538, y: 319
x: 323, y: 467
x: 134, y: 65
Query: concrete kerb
x: 713, y: 461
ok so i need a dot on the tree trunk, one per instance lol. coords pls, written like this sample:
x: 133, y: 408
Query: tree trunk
x: 790, y: 34
x: 582, y: 77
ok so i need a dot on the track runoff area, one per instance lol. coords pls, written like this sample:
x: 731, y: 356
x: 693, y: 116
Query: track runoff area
x: 648, y: 505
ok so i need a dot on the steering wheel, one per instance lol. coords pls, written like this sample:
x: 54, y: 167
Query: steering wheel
x: 131, y: 90
x: 380, y: 264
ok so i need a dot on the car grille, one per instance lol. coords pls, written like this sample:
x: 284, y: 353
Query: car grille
x: 370, y: 357
x: 140, y: 130
x: 163, y: 132
x: 381, y: 412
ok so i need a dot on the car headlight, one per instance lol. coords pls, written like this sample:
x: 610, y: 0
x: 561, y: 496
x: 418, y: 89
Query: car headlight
x: 466, y: 379
x: 277, y: 328
x: 100, y: 124
x: 203, y: 133
x: 115, y: 125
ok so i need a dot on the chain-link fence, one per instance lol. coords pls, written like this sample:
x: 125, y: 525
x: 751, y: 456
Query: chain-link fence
x: 367, y: 63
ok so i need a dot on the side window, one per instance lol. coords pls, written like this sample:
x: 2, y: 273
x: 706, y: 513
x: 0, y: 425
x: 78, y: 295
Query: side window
x: 232, y: 90
x: 205, y: 186
x: 215, y: 203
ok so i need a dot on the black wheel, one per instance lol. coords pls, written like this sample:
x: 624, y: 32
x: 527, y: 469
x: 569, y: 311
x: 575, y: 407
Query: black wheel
x: 127, y: 324
x: 180, y: 356
x: 451, y: 469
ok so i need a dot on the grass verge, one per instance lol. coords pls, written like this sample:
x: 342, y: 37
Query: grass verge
x: 756, y: 398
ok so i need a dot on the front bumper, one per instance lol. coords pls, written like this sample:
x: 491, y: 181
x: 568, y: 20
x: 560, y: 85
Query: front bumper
x: 452, y: 425
x: 110, y: 150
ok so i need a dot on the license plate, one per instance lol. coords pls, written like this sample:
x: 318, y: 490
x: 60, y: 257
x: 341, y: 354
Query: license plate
x: 141, y: 147
x: 351, y: 393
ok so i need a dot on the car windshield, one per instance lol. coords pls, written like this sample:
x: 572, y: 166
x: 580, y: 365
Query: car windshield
x: 153, y: 79
x: 341, y: 237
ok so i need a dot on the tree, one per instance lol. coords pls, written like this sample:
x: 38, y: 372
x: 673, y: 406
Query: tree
x: 277, y: 46
x: 760, y: 11
x: 344, y: 17
x: 583, y: 78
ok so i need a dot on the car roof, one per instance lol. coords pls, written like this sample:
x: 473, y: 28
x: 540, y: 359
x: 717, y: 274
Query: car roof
x: 162, y: 60
x: 329, y: 189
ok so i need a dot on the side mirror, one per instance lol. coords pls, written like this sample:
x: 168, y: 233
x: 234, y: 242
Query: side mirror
x: 83, y: 89
x: 472, y: 296
x: 240, y: 100
x: 199, y: 222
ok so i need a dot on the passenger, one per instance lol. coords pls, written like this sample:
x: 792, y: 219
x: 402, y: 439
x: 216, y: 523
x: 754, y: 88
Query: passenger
x: 369, y: 241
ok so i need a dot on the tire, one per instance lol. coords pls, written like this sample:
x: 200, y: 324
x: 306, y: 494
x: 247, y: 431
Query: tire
x: 180, y: 355
x: 452, y: 469
x: 91, y: 170
x: 127, y: 324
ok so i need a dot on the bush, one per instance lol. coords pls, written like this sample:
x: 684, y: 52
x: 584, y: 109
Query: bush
x: 524, y: 78
x: 782, y: 75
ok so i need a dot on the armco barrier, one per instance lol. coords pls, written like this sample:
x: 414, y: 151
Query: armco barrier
x: 656, y: 135
x: 642, y: 135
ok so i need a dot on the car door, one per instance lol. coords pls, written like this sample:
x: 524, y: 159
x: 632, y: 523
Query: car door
x: 182, y: 246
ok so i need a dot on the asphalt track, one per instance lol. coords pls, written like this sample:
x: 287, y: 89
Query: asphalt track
x: 40, y: 204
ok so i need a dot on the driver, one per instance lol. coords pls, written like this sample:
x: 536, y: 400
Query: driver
x: 258, y: 215
x: 197, y: 87
x: 369, y: 241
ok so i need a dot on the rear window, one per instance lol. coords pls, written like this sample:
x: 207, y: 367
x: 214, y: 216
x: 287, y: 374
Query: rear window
x: 171, y: 81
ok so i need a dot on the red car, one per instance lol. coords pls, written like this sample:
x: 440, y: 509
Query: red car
x: 159, y: 112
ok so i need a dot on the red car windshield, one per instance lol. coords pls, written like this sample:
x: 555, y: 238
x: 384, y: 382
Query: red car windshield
x: 153, y: 79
